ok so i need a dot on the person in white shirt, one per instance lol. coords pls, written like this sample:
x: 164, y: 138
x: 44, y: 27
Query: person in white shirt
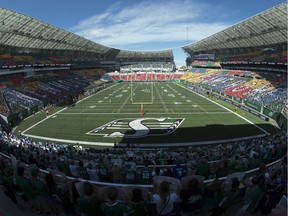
x: 164, y: 200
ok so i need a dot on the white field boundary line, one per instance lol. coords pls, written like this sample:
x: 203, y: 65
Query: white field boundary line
x: 151, y: 145
x: 229, y: 111
x: 182, y: 144
x: 54, y: 114
x: 155, y: 113
x: 71, y: 141
x: 29, y: 128
x: 93, y: 104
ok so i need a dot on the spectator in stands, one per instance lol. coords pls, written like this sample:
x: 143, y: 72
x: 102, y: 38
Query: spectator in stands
x: 139, y: 206
x: 63, y: 166
x: 212, y: 194
x: 83, y: 171
x: 157, y: 172
x: 61, y: 189
x: 104, y: 174
x: 113, y: 207
x: 192, y: 197
x: 130, y: 173
x: 223, y: 169
x: 254, y: 195
x: 178, y: 171
x: 43, y: 193
x: 146, y: 175
x: 229, y: 197
x: 74, y: 169
x: 265, y: 173
x: 117, y: 173
x: 92, y: 172
x: 203, y: 168
x: 25, y: 185
x: 89, y: 204
x: 274, y: 193
x: 6, y: 179
x: 164, y: 199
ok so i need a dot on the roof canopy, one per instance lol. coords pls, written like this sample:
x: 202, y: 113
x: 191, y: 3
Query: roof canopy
x: 124, y: 54
x: 264, y: 29
x: 18, y: 30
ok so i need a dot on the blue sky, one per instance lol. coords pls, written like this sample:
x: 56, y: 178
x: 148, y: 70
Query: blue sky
x: 142, y: 24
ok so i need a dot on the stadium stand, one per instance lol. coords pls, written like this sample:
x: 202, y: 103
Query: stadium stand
x: 245, y: 177
x: 263, y: 90
x: 57, y: 157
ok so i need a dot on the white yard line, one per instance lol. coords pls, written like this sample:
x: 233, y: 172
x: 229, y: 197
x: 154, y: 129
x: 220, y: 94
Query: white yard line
x: 93, y: 104
x: 127, y: 99
x: 62, y: 110
x: 192, y: 102
x: 161, y: 100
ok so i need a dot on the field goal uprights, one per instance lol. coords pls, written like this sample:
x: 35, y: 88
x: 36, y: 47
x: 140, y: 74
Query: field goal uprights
x: 142, y: 103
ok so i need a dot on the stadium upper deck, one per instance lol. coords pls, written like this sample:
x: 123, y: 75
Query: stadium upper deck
x: 264, y: 30
x: 19, y: 31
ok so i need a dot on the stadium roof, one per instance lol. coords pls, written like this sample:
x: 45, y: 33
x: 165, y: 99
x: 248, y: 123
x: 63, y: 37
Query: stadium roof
x: 124, y: 54
x: 264, y: 29
x: 18, y: 30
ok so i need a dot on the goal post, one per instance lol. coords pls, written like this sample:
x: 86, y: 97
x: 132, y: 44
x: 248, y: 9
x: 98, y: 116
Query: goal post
x: 137, y: 91
x: 133, y: 91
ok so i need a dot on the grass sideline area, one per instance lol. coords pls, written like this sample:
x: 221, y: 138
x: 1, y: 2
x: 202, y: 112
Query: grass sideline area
x: 171, y: 114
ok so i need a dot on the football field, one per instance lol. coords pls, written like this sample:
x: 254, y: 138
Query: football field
x: 147, y: 114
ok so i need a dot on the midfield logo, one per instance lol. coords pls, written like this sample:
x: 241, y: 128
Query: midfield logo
x: 136, y: 128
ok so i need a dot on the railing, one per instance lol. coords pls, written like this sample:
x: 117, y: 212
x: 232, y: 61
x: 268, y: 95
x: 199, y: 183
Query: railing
x: 247, y: 174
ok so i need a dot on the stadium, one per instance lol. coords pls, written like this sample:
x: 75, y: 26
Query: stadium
x: 97, y: 120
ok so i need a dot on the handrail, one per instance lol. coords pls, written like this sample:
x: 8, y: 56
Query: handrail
x: 247, y: 174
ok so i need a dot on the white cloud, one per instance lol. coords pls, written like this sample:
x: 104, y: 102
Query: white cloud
x: 150, y: 21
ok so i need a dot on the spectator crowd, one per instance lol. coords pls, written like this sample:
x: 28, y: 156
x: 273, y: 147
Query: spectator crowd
x: 176, y: 176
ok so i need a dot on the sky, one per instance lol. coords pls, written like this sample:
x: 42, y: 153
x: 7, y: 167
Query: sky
x: 142, y: 24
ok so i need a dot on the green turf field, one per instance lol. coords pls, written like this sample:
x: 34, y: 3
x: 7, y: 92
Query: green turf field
x: 172, y: 114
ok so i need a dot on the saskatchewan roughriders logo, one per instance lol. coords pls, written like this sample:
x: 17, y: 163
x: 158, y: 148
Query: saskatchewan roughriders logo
x: 136, y: 128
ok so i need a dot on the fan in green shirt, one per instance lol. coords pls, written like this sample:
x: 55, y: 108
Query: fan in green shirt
x: 130, y: 176
x: 229, y: 197
x: 203, y: 168
x: 254, y: 195
x: 39, y: 186
x: 104, y: 172
x: 139, y: 206
x: 89, y: 204
x: 114, y: 207
x: 25, y: 184
x: 146, y: 175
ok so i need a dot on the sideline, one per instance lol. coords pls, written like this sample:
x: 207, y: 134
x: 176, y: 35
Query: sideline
x: 150, y: 145
x: 227, y: 110
x: 29, y: 128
